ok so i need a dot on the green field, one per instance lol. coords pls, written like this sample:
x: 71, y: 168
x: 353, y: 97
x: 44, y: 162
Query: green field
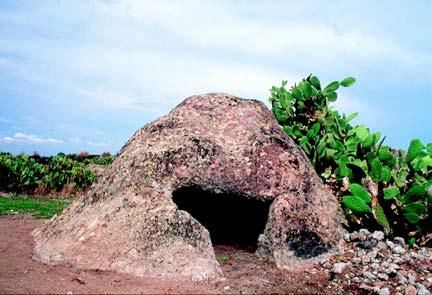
x: 38, y: 208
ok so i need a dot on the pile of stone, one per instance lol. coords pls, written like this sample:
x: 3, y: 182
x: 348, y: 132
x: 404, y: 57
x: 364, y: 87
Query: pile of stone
x: 380, y: 265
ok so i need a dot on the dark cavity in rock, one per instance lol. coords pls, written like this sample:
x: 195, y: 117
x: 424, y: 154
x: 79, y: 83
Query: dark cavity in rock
x: 231, y: 219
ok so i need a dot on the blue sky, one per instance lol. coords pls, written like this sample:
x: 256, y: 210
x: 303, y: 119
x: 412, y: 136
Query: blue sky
x: 84, y: 75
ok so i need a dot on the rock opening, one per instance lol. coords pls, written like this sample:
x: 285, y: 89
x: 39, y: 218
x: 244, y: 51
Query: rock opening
x: 231, y: 219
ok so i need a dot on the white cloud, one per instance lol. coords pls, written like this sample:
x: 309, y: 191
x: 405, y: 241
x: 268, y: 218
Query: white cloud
x: 98, y: 144
x: 223, y: 28
x: 154, y: 51
x: 148, y: 86
x: 106, y: 97
x: 79, y: 141
x: 21, y: 138
x: 75, y: 140
x: 151, y: 54
x: 77, y: 131
x: 367, y: 112
x: 143, y: 57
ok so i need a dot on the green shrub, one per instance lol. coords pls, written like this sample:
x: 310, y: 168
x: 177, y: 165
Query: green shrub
x: 64, y: 171
x: 59, y: 172
x: 82, y: 177
x: 84, y: 157
x: 376, y: 185
x: 20, y: 173
x: 100, y: 160
x: 24, y: 174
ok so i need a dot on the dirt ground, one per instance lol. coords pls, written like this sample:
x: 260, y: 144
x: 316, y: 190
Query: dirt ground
x: 243, y: 272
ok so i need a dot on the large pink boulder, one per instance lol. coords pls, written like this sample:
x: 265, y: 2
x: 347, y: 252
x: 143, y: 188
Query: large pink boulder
x: 236, y: 178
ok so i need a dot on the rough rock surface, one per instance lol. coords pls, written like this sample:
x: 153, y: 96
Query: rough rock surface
x: 128, y: 221
x: 97, y: 169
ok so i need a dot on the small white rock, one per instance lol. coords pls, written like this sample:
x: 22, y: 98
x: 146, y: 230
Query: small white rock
x: 367, y: 287
x: 383, y: 277
x: 411, y: 278
x: 381, y: 245
x: 428, y: 281
x: 354, y: 236
x: 410, y: 290
x: 421, y: 257
x: 365, y: 259
x: 369, y: 275
x: 339, y: 267
x: 378, y: 235
x: 384, y: 291
x: 390, y: 244
x: 372, y: 254
x: 363, y: 234
x: 394, y: 266
x: 421, y: 290
x: 399, y: 250
x: 346, y: 237
x: 407, y: 259
x: 402, y: 279
x: 399, y: 241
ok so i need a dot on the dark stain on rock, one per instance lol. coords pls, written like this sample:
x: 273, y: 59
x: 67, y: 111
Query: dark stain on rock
x: 307, y: 244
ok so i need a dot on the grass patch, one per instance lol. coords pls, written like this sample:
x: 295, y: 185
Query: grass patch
x: 38, y: 208
x: 223, y: 258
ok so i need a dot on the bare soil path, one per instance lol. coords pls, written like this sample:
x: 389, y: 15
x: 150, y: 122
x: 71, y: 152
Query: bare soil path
x: 243, y: 272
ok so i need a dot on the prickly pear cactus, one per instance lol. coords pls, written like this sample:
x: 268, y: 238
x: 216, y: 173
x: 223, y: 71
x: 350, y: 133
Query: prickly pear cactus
x: 376, y: 185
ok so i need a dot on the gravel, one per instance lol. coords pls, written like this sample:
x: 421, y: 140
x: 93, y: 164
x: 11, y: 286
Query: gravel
x: 378, y: 235
x: 339, y: 267
x: 365, y: 259
x: 421, y: 289
x: 364, y: 234
x: 399, y: 250
x: 381, y: 266
x: 410, y: 290
x: 383, y: 277
x: 399, y: 241
x: 382, y: 246
x: 384, y: 291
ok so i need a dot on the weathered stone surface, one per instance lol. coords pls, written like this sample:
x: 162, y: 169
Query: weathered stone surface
x: 97, y: 169
x: 128, y: 221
